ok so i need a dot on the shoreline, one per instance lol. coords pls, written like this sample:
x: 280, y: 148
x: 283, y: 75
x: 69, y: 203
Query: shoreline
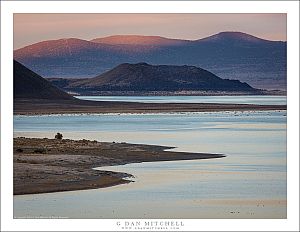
x: 77, y: 106
x: 53, y: 165
x: 179, y: 93
x: 148, y: 113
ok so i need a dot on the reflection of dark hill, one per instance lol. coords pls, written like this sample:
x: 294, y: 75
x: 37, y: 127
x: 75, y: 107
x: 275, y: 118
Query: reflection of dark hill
x: 28, y: 84
x: 145, y: 77
x: 231, y: 55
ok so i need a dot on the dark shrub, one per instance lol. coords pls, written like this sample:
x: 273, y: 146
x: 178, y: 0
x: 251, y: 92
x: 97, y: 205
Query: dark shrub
x: 58, y: 136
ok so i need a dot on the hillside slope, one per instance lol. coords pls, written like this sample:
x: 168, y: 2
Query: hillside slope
x: 29, y: 85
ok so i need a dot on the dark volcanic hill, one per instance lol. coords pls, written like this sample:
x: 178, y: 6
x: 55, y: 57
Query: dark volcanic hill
x: 143, y: 77
x: 29, y: 85
x: 230, y: 55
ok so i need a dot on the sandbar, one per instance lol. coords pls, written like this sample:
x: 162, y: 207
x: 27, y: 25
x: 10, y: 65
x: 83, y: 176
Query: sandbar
x: 54, y: 165
x: 43, y: 106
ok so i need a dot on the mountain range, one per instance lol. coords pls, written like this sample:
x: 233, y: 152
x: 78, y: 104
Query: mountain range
x: 230, y: 55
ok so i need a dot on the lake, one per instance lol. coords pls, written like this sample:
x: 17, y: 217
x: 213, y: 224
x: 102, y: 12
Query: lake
x: 250, y: 182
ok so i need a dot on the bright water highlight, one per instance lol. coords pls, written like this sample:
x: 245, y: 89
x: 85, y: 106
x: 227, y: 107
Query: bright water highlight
x: 253, y: 99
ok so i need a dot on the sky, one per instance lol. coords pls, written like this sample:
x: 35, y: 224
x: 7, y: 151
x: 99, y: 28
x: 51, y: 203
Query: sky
x: 33, y: 28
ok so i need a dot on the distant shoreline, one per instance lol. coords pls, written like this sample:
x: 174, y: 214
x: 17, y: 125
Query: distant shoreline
x: 53, y: 165
x: 180, y: 93
x: 76, y: 106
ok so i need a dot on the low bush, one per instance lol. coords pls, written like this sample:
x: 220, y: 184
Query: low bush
x: 58, y: 136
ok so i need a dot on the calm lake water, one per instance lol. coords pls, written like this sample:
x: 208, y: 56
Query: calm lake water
x: 250, y: 182
x: 255, y: 99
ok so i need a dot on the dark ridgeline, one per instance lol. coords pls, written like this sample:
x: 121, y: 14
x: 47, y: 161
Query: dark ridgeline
x: 29, y: 85
x: 230, y: 55
x: 143, y: 77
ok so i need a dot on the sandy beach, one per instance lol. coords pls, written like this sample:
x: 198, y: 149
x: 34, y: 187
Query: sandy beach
x: 53, y: 165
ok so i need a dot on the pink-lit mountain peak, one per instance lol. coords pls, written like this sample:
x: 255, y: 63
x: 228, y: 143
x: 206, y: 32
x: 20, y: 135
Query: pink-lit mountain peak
x: 138, y: 40
x: 233, y: 35
x: 55, y: 47
x: 61, y: 42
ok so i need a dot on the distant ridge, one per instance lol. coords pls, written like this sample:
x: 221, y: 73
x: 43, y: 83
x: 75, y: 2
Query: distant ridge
x: 29, y: 85
x: 139, y: 40
x: 234, y: 36
x: 230, y: 55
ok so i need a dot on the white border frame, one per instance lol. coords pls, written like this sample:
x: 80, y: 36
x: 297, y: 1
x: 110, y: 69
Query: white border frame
x: 10, y: 7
